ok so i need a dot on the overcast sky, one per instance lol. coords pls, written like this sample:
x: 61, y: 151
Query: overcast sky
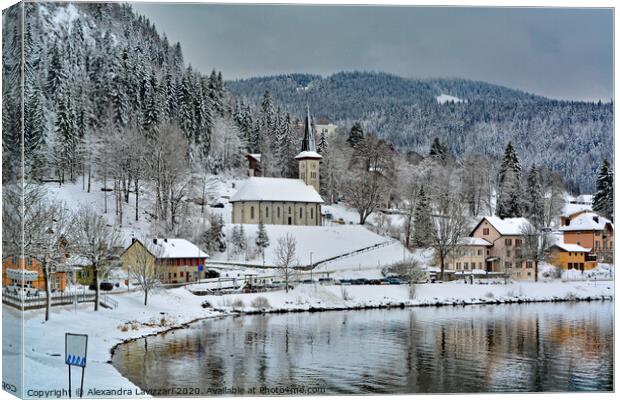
x: 559, y: 53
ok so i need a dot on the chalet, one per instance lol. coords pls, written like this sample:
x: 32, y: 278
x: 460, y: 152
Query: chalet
x: 253, y: 164
x: 506, y: 236
x: 571, y: 256
x: 283, y: 201
x: 29, y: 270
x: 592, y: 231
x: 183, y: 260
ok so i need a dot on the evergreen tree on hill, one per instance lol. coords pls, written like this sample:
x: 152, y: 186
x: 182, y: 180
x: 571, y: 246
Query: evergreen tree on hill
x: 603, y: 200
x: 509, y: 185
x: 534, y: 204
x: 422, y: 224
x: 356, y: 134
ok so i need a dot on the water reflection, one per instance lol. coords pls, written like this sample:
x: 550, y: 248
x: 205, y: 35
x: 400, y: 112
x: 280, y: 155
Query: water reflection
x: 540, y: 347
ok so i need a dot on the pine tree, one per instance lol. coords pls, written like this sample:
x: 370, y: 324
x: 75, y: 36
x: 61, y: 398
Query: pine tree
x: 214, y: 237
x: 422, y: 224
x: 56, y: 75
x: 438, y: 150
x: 603, y: 200
x: 66, y: 132
x: 262, y: 240
x: 534, y: 206
x: 355, y: 135
x: 509, y: 185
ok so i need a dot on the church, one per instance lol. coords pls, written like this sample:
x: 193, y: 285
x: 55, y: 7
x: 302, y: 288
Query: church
x: 282, y: 201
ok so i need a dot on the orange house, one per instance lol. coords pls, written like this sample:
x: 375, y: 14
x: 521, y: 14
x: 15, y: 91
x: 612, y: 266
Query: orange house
x: 590, y: 230
x: 12, y: 267
x: 571, y: 256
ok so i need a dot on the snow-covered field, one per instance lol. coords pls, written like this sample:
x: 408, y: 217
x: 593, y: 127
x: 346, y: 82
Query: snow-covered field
x: 44, y: 367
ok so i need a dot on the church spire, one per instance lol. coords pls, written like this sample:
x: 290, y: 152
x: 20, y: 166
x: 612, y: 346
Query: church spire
x: 308, y: 143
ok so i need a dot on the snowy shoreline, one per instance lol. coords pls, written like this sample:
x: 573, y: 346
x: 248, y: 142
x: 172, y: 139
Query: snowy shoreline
x: 174, y: 309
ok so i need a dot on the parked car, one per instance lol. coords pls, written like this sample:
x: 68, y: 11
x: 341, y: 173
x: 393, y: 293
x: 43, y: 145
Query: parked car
x: 374, y: 282
x: 217, y: 205
x: 26, y: 290
x: 359, y: 281
x: 395, y: 281
x: 308, y: 281
x: 340, y: 221
x: 107, y: 286
x: 326, y: 280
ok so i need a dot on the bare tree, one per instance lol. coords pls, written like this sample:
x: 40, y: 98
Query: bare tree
x: 145, y: 267
x: 371, y: 171
x: 98, y: 242
x: 286, y: 259
x: 410, y: 271
x: 37, y: 228
x: 450, y: 222
x: 535, y: 245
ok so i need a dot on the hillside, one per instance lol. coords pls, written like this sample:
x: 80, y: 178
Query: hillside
x: 410, y: 113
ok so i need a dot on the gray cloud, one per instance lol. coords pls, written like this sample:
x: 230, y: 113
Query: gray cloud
x: 557, y: 52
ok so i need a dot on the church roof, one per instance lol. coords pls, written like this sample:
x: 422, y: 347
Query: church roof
x: 308, y: 154
x: 276, y: 189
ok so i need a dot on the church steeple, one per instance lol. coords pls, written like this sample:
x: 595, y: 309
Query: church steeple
x: 308, y: 143
x: 308, y: 158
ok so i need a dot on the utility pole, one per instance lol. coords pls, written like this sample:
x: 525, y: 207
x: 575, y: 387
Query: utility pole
x: 311, y: 266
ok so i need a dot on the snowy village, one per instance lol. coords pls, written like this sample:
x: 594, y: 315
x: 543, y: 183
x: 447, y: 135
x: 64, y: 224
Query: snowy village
x: 180, y: 219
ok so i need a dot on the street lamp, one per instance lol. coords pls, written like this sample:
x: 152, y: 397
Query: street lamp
x: 311, y: 266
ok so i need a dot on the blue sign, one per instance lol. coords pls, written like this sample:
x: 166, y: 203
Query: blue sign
x: 76, y: 360
x: 200, y: 268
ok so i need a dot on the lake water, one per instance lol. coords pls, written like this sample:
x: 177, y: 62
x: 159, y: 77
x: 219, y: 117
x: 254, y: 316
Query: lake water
x: 501, y: 348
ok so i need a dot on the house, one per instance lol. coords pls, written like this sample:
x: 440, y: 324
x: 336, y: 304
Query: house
x: 253, y: 164
x: 471, y: 254
x: 30, y: 270
x: 571, y: 256
x: 592, y: 231
x: 325, y: 127
x: 283, y: 201
x: 182, y: 260
x: 506, y: 236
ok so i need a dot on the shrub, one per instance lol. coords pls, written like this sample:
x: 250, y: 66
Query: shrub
x: 238, y: 303
x: 124, y: 328
x: 261, y: 303
x: 489, y: 295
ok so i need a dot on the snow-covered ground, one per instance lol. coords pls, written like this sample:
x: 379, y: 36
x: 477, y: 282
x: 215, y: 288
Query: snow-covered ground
x: 44, y: 367
x: 316, y: 296
x: 319, y: 242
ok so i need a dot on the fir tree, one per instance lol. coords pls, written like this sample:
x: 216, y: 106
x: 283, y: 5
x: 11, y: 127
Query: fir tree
x: 56, y: 76
x: 534, y: 205
x: 262, y: 240
x: 438, y: 150
x: 509, y: 185
x: 214, y: 237
x: 355, y: 135
x: 603, y: 200
x: 422, y: 225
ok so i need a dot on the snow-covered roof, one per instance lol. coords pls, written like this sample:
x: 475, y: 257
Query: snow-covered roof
x: 575, y: 248
x: 587, y: 221
x: 255, y: 156
x: 308, y: 154
x: 572, y: 208
x: 276, y: 189
x: 508, y: 226
x: 473, y: 241
x: 176, y: 248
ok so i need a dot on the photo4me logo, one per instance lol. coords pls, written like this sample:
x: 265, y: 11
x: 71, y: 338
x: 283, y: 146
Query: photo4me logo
x: 9, y: 387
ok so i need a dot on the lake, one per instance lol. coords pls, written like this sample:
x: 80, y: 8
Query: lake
x: 541, y: 347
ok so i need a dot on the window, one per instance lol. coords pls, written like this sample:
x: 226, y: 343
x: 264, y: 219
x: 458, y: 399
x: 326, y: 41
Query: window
x: 479, y: 252
x: 508, y: 242
x: 485, y: 231
x: 507, y: 264
x: 301, y: 213
x: 529, y: 264
x: 517, y: 242
x: 278, y: 211
x: 289, y: 210
x: 181, y: 274
x: 252, y: 212
x: 267, y: 212
x: 465, y: 266
x: 312, y: 213
x: 508, y: 253
x: 570, y: 265
x: 458, y: 265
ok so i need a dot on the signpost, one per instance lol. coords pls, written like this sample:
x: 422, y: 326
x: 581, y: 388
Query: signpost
x: 75, y: 355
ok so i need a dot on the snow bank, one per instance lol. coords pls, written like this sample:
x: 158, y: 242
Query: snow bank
x: 315, y: 297
x: 444, y: 98
x: 43, y: 364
